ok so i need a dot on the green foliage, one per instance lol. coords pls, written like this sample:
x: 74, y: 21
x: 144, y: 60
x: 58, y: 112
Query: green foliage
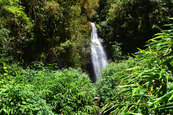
x: 111, y: 76
x: 45, y: 91
x: 61, y: 32
x: 4, y: 45
x: 18, y: 24
x: 21, y: 99
x: 132, y: 22
x: 104, y: 6
x: 67, y: 91
x: 142, y: 85
x: 52, y: 31
x: 57, y: 31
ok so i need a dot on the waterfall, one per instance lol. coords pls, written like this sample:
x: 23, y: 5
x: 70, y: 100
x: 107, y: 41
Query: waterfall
x: 98, y: 55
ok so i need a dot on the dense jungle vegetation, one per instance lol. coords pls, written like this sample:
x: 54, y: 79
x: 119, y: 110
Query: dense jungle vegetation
x: 45, y: 51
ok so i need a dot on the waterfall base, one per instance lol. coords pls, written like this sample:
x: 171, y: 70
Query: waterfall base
x: 90, y: 71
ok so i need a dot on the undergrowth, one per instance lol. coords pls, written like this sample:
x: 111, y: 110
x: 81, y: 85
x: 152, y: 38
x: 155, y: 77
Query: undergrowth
x: 45, y: 91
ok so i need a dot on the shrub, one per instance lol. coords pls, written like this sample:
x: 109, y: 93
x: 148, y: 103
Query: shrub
x: 67, y: 91
x: 46, y: 91
x: 22, y: 99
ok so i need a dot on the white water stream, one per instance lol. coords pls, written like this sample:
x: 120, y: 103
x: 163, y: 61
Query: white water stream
x: 98, y: 55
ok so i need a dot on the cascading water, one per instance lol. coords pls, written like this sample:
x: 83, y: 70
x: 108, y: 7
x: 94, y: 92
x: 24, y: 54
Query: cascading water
x: 98, y: 55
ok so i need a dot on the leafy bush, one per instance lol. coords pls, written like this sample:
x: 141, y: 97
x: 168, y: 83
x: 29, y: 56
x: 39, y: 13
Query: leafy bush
x: 67, y: 91
x: 143, y: 86
x: 22, y: 99
x: 45, y: 91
